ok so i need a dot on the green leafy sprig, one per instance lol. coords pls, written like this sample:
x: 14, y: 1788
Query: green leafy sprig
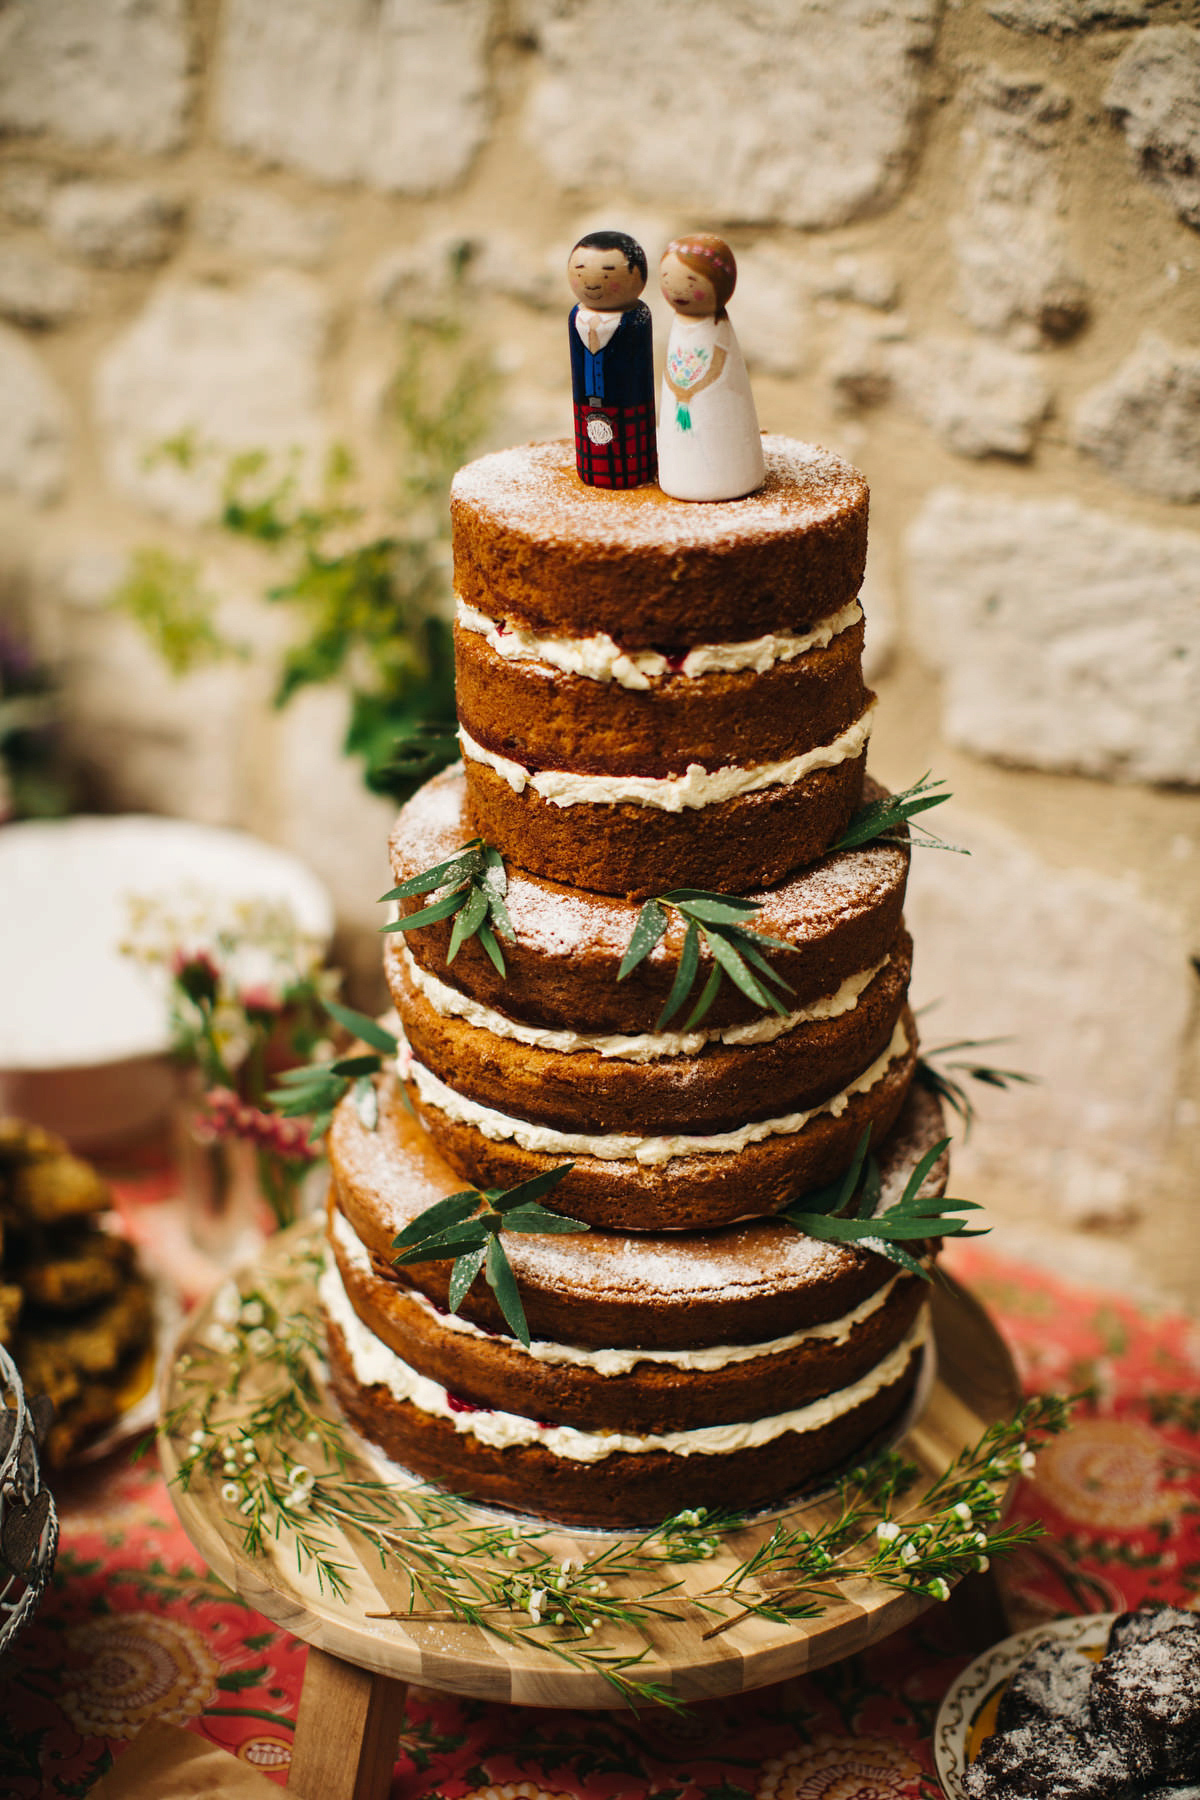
x: 467, y: 1226
x: 944, y: 1081
x: 844, y: 1212
x: 879, y: 821
x: 476, y: 881
x: 736, y: 951
x: 317, y: 1088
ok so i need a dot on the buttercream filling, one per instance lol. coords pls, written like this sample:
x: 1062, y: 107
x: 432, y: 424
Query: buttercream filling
x: 601, y: 658
x: 375, y: 1365
x: 615, y: 1361
x: 673, y: 793
x: 625, y: 1146
x: 637, y: 1047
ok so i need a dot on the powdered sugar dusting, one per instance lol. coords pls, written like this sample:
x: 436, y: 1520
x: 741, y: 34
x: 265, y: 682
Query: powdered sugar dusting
x: 534, y: 490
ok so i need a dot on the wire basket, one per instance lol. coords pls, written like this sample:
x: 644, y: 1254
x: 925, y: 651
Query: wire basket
x: 28, y: 1520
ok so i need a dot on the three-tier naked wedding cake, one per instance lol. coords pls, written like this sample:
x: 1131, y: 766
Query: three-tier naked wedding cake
x: 653, y: 697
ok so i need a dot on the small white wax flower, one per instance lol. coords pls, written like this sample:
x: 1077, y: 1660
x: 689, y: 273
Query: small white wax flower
x: 939, y: 1589
x: 981, y: 1538
x: 227, y: 1304
x: 983, y: 1562
x: 908, y: 1554
x: 199, y: 1438
x: 962, y: 1511
x: 231, y: 1492
x: 1028, y: 1462
x: 221, y: 1339
x: 252, y: 1313
x: 558, y: 1618
x: 887, y: 1531
x: 536, y: 1597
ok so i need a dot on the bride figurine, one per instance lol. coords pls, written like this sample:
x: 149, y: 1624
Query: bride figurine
x: 709, y: 446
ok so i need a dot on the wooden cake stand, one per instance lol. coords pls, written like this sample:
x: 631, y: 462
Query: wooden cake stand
x: 351, y: 1707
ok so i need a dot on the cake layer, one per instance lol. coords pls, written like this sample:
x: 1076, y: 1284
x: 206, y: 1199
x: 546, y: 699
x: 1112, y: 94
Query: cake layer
x: 745, y: 1285
x: 537, y: 548
x: 551, y: 1471
x: 835, y: 920
x: 617, y: 1389
x: 633, y: 848
x: 628, y: 1181
x: 716, y: 1088
x: 532, y: 713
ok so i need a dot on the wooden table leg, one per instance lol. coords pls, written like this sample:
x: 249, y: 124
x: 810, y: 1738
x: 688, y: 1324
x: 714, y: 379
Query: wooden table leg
x: 347, y: 1731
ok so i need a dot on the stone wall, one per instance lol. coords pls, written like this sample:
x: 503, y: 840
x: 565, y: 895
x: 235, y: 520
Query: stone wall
x: 967, y: 231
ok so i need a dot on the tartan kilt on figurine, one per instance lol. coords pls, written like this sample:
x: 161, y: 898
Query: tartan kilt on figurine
x: 615, y: 445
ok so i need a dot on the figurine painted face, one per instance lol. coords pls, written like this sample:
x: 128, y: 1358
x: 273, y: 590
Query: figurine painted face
x: 605, y: 279
x: 698, y: 275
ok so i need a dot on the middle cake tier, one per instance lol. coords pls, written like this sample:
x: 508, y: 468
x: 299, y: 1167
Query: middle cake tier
x: 667, y: 1129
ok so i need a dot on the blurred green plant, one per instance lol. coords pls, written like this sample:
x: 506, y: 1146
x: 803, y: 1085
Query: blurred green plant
x: 371, y: 585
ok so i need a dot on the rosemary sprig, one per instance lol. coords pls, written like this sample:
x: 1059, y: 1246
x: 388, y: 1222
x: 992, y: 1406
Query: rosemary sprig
x: 476, y: 883
x: 317, y: 1088
x: 736, y: 951
x: 845, y: 1212
x: 947, y: 1087
x: 467, y: 1226
x: 247, y: 1415
x: 879, y: 820
x: 953, y: 1530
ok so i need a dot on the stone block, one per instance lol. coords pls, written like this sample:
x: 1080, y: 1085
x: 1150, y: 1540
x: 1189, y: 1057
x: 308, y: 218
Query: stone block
x: 866, y: 279
x: 1068, y: 639
x: 222, y: 369
x: 25, y: 190
x: 34, y: 424
x: 393, y: 93
x: 650, y: 100
x: 859, y: 369
x: 36, y: 289
x: 1155, y: 96
x: 1063, y: 18
x: 1087, y: 981
x: 771, y: 310
x: 115, y: 73
x: 979, y: 398
x: 1143, y: 424
x: 149, y: 741
x: 117, y: 224
x: 321, y: 810
x: 256, y: 224
x: 1009, y: 242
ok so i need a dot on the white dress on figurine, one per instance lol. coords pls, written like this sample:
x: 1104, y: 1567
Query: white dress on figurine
x: 709, y: 448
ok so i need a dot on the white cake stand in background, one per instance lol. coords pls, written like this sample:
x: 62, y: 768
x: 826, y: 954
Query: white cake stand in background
x: 83, y: 1029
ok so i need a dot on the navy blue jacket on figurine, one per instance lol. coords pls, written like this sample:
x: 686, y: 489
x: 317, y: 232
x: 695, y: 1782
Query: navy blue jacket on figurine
x: 614, y: 403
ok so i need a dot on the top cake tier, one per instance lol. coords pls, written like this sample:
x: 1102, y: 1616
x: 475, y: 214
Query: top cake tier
x: 535, y: 547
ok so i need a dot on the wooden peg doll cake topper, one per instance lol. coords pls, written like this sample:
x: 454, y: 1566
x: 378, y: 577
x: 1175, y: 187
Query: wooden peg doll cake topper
x: 709, y: 447
x: 612, y: 361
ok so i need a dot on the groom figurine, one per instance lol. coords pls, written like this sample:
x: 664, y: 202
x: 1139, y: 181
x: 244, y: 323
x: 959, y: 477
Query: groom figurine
x: 612, y: 363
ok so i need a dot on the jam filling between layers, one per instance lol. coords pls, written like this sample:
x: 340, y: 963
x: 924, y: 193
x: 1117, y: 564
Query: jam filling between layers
x: 624, y: 1146
x: 637, y: 1047
x: 375, y: 1365
x: 699, y: 787
x: 615, y: 1360
x: 600, y: 658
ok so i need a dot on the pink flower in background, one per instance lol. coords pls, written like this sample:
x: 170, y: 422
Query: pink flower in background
x: 227, y: 1116
x: 261, y: 998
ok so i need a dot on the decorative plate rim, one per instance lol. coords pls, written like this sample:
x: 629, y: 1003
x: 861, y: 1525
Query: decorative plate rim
x: 968, y: 1691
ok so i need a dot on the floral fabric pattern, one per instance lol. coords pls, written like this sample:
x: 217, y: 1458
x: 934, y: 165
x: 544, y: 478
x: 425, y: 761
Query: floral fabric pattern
x: 135, y: 1627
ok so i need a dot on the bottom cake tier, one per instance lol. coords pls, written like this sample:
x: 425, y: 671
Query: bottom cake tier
x: 726, y: 1369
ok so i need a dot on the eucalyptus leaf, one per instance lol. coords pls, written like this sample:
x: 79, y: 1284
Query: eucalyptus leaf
x: 541, y: 1219
x: 429, y: 915
x: 527, y: 1191
x: 463, y: 1274
x: 436, y: 1217
x: 651, y: 923
x: 503, y: 1283
x: 460, y: 867
x: 470, y: 1235
x: 492, y: 950
x: 369, y: 1030
x: 470, y: 917
x: 731, y: 961
x: 685, y: 975
x: 358, y: 1065
x: 708, y: 994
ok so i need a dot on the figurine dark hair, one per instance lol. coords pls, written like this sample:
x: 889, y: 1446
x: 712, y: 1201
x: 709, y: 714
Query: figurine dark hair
x: 631, y: 250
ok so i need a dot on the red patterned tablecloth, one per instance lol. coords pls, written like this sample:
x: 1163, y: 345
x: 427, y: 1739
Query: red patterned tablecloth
x: 135, y: 1628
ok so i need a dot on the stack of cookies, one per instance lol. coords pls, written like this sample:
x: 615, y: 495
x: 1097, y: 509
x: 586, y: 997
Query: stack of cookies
x: 75, y: 1313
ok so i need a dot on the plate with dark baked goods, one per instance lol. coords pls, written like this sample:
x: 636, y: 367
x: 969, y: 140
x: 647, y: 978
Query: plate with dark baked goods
x: 1097, y: 1704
